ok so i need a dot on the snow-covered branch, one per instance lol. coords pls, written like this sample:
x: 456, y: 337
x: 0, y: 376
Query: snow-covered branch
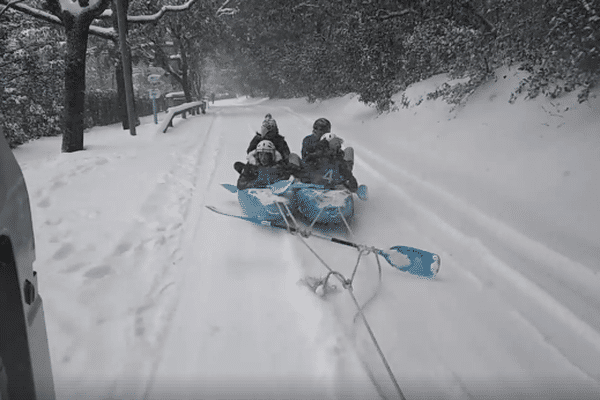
x: 156, y: 16
x: 8, y: 5
x: 105, y: 33
x: 385, y: 14
x: 488, y: 25
x: 145, y: 19
x: 304, y: 4
x: 224, y: 10
x: 34, y: 12
x: 588, y: 7
x: 81, y: 6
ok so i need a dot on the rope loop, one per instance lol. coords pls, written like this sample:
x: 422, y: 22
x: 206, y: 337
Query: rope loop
x: 305, y: 233
x: 366, y: 250
x: 347, y: 284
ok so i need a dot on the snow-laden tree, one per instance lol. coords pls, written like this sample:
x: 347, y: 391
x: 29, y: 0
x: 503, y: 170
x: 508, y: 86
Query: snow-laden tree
x: 31, y: 69
x: 77, y: 17
x: 179, y: 44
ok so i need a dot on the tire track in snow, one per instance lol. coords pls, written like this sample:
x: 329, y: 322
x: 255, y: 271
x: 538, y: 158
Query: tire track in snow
x: 339, y: 353
x: 144, y: 285
x: 169, y: 204
x: 527, y: 287
x: 218, y: 279
x: 574, y: 271
x: 203, y: 174
x: 340, y: 309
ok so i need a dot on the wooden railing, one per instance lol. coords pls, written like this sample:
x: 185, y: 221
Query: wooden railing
x: 192, y: 108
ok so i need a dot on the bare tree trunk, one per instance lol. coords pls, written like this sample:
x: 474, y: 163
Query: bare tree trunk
x: 77, y: 31
x: 119, y: 71
x: 121, y: 98
x: 195, y: 75
x: 185, y: 79
x: 77, y: 20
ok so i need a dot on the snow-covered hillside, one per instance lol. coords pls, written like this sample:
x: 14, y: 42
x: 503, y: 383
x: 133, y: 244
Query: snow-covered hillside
x: 148, y: 294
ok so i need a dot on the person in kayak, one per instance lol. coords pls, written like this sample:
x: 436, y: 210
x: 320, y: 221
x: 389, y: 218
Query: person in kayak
x: 270, y: 131
x: 311, y: 144
x: 320, y: 127
x: 265, y: 166
x: 327, y: 165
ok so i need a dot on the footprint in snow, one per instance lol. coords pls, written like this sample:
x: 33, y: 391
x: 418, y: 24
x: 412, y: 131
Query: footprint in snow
x: 57, y: 184
x: 122, y: 248
x: 93, y: 214
x: 53, y: 221
x: 44, y: 203
x: 63, y: 252
x: 73, y: 268
x: 98, y: 272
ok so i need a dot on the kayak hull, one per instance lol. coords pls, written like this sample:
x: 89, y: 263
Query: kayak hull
x: 323, y: 206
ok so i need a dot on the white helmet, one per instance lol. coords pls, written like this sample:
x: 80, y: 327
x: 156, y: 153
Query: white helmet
x: 333, y: 139
x: 328, y: 136
x: 265, y: 146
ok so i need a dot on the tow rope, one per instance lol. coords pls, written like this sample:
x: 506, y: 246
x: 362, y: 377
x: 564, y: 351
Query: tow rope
x: 347, y: 284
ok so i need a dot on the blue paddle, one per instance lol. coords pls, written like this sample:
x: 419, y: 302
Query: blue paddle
x: 405, y: 258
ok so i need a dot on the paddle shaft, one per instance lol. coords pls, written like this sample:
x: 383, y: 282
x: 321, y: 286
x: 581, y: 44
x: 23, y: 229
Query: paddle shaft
x: 411, y: 252
x: 324, y: 237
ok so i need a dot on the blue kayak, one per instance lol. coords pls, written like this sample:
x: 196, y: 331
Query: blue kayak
x: 322, y: 206
x: 313, y: 202
x: 263, y: 204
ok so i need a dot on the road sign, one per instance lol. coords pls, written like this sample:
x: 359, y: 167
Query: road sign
x: 154, y: 78
x: 154, y: 93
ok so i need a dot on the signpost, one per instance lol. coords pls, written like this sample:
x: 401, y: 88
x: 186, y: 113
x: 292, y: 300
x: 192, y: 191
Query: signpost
x: 154, y: 78
x: 154, y: 93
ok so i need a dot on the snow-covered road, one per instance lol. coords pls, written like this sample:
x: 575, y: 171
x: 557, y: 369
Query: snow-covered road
x: 151, y: 295
x: 244, y: 326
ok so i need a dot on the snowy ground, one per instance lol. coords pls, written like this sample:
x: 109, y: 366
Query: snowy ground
x: 148, y: 294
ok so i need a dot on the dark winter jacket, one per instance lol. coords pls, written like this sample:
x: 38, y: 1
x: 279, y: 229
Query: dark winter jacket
x: 320, y: 149
x: 327, y: 167
x: 258, y: 176
x: 308, y: 145
x: 278, y: 140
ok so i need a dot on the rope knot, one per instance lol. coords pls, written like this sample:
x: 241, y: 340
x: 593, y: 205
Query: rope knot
x: 304, y: 232
x: 365, y: 249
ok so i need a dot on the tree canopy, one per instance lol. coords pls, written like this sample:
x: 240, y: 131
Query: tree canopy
x: 314, y: 48
x: 376, y: 48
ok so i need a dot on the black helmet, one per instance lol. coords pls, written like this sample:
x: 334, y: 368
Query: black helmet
x: 322, y: 125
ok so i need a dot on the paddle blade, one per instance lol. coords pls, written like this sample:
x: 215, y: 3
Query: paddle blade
x: 362, y: 192
x: 230, y: 187
x: 412, y: 260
